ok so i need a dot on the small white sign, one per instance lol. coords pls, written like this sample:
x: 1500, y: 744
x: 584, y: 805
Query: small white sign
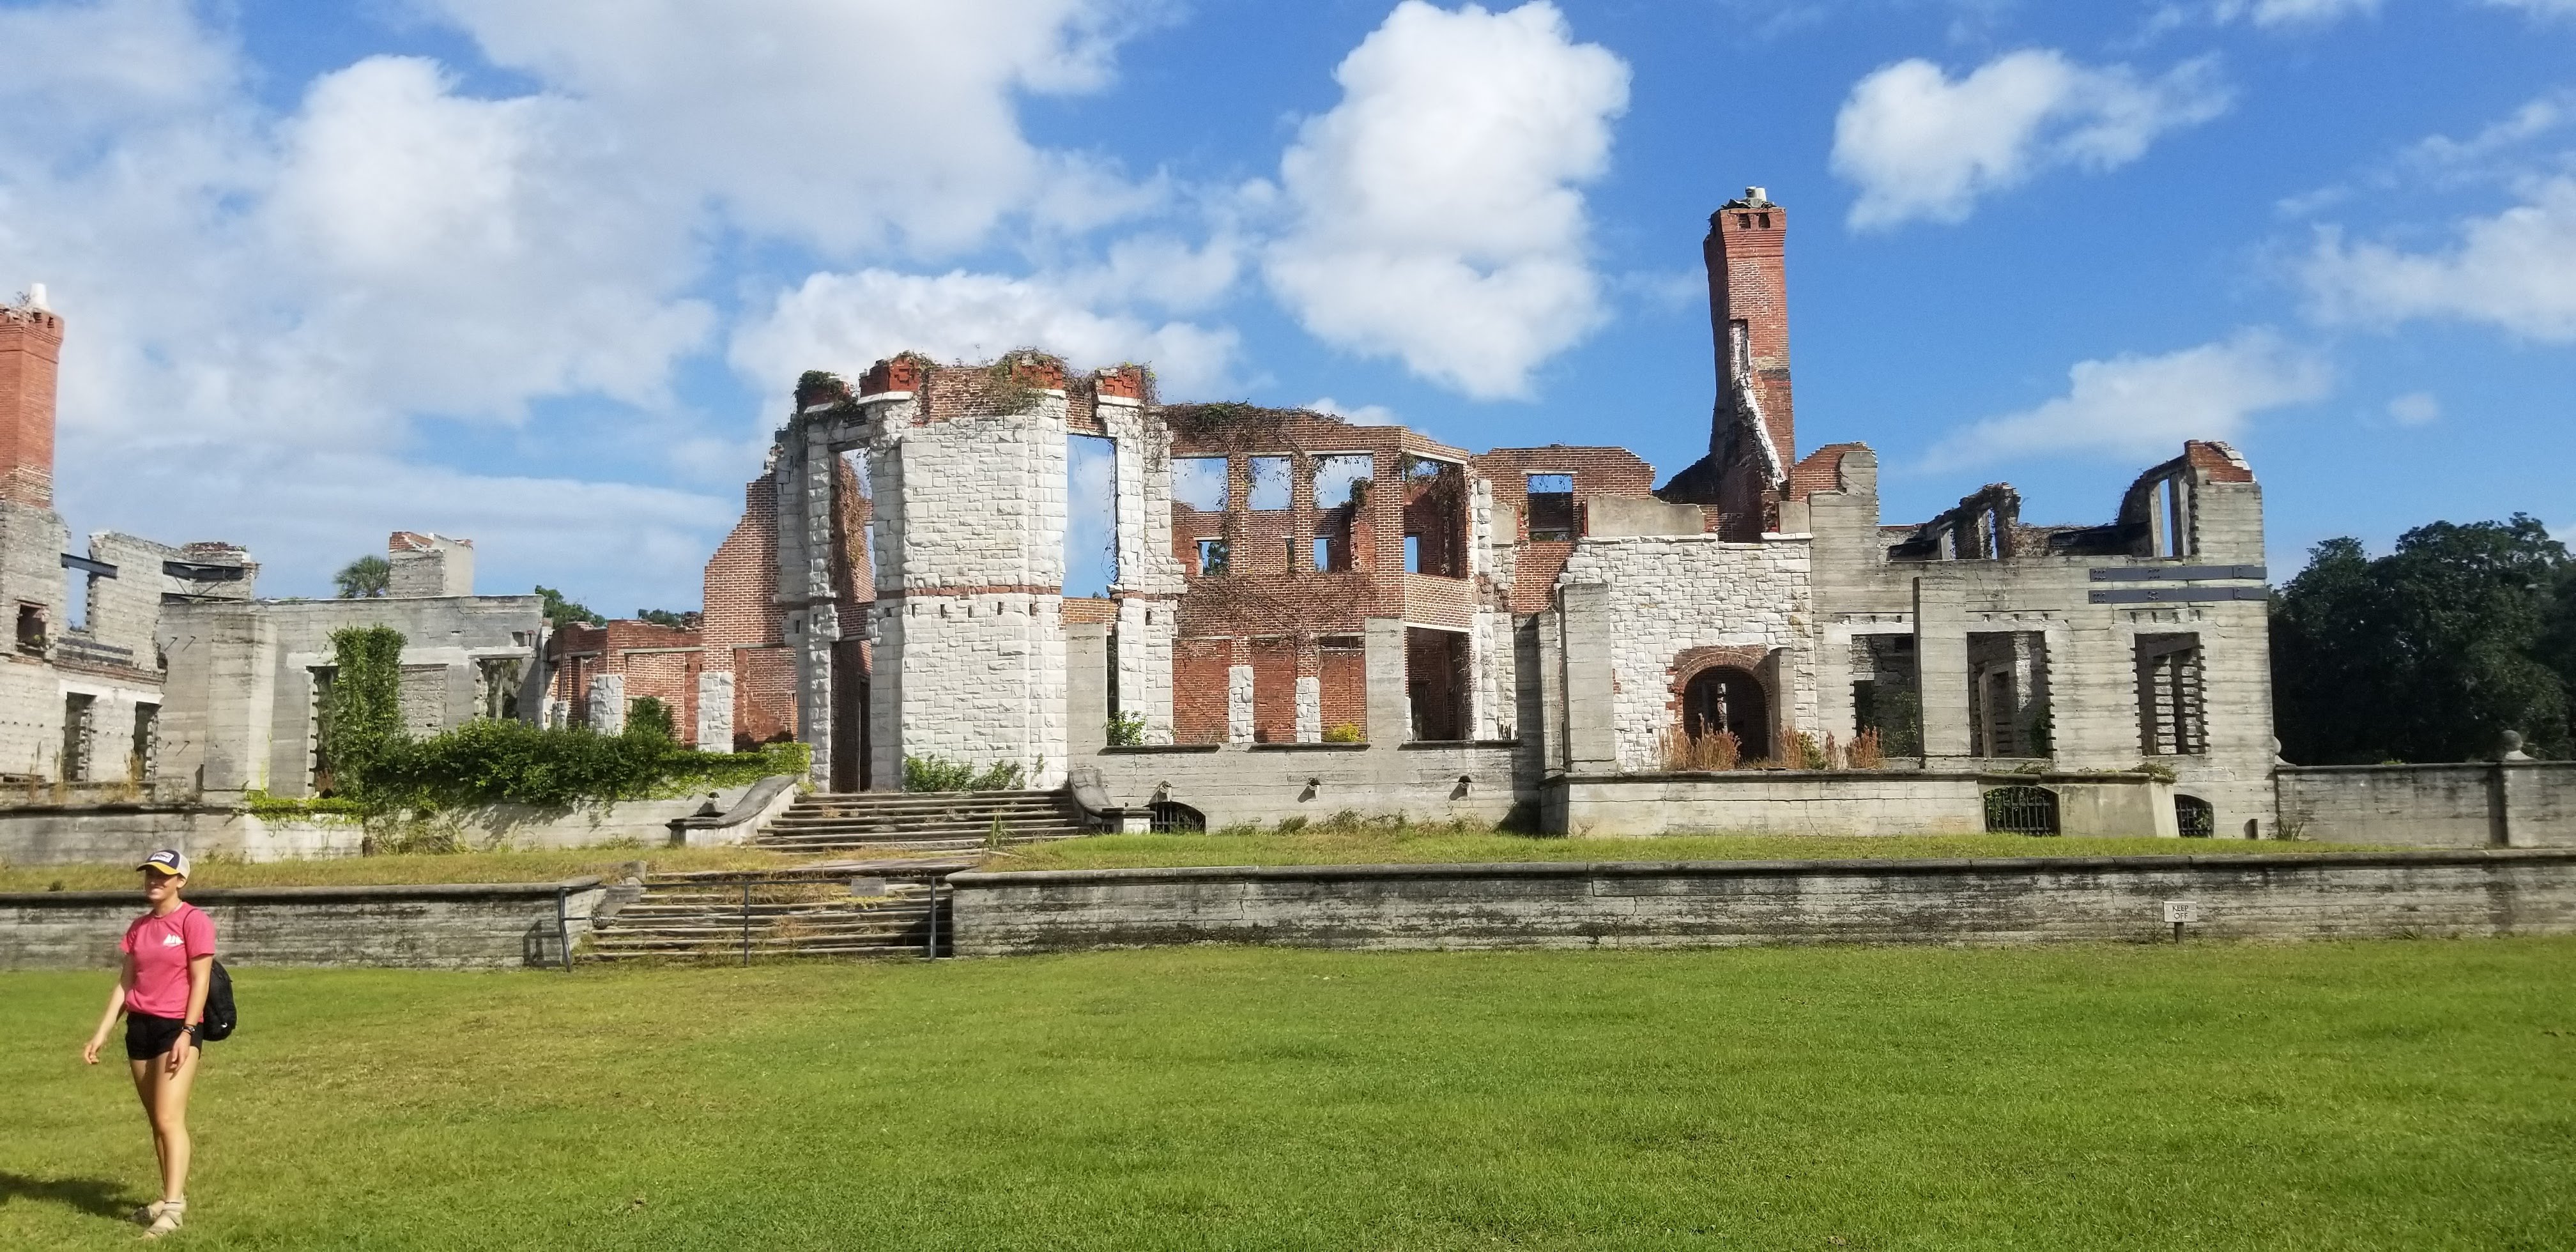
x: 2180, y: 912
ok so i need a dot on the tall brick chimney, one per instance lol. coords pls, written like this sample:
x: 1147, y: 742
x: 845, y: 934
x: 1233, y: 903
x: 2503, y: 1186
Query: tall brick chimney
x: 31, y: 348
x: 1753, y: 434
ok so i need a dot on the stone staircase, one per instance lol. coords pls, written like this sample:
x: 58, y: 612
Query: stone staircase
x: 827, y: 909
x: 919, y: 823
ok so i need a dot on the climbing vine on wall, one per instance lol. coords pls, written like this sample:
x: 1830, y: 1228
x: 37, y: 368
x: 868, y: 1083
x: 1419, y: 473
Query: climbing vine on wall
x: 362, y: 714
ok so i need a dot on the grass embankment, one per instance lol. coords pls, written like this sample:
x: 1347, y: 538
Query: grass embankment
x: 2387, y: 1095
x: 1437, y: 844
x: 1362, y: 846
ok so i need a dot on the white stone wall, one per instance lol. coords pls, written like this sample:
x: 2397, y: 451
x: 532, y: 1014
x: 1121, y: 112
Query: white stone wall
x: 1310, y: 709
x: 1238, y: 704
x: 1669, y: 593
x: 1145, y: 632
x: 715, y: 711
x: 982, y: 681
x: 1146, y: 563
x: 608, y: 703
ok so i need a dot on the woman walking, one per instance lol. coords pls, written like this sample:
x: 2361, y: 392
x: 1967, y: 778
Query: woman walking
x: 169, y: 967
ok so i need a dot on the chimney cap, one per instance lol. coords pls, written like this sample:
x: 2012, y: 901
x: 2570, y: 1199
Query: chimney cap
x: 36, y: 297
x: 1753, y: 198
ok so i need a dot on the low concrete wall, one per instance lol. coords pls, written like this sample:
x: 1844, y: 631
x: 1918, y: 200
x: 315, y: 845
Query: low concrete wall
x: 1809, y: 802
x: 129, y: 832
x: 471, y: 926
x: 2020, y: 900
x: 2518, y: 804
x: 1263, y: 783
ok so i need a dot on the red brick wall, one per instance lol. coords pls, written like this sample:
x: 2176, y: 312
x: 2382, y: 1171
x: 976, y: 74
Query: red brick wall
x: 764, y: 696
x: 1343, y: 667
x: 31, y: 342
x: 1274, y: 690
x: 1199, y: 668
x: 1596, y: 472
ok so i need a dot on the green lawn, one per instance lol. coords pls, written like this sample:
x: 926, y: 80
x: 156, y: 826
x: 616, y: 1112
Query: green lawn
x: 2409, y: 1095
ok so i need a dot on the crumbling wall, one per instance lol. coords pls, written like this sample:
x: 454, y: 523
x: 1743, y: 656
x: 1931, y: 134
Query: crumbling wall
x: 1659, y: 597
x: 428, y: 565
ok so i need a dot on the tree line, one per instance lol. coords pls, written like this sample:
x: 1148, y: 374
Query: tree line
x: 2430, y: 652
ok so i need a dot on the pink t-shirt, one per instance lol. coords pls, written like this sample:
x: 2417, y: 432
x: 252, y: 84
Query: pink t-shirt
x: 162, y: 947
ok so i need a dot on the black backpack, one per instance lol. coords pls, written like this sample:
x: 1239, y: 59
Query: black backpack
x: 220, y: 1019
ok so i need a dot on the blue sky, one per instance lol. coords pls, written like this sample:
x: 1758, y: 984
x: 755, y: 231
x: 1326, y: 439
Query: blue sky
x: 540, y: 274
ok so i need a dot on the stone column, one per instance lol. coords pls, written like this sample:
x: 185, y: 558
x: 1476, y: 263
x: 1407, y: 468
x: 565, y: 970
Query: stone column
x: 1390, y: 707
x: 1591, y: 713
x: 608, y: 703
x: 1238, y: 704
x: 1941, y: 668
x: 1086, y: 687
x: 1310, y: 709
x: 715, y: 711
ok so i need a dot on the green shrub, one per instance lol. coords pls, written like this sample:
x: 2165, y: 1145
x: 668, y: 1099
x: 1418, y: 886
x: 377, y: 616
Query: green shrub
x: 1127, y: 730
x: 648, y: 716
x: 938, y: 773
x: 1240, y: 828
x: 1344, y: 733
x: 509, y: 762
x: 1291, y: 825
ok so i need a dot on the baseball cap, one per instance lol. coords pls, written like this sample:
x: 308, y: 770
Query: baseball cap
x: 170, y: 861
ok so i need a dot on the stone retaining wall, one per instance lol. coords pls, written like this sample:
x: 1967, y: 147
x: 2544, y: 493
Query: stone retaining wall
x: 129, y: 832
x: 2516, y: 804
x: 2020, y: 900
x: 442, y: 926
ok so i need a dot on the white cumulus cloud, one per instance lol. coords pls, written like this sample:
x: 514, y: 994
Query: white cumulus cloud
x: 1436, y: 215
x: 1355, y: 414
x: 845, y: 322
x: 2145, y: 406
x: 2515, y: 270
x: 844, y: 123
x: 1921, y: 145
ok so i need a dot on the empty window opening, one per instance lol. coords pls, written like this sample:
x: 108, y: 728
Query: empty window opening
x: 146, y: 750
x: 1324, y: 559
x: 2169, y: 696
x: 31, y: 628
x: 80, y: 600
x: 1435, y: 683
x: 1435, y: 514
x: 2194, y: 817
x: 1885, y: 695
x: 1726, y: 700
x: 1271, y: 488
x: 318, y: 760
x: 1212, y: 556
x: 1173, y: 818
x: 77, y: 737
x: 2008, y: 694
x: 1341, y: 504
x: 498, y: 698
x: 2021, y: 811
x: 1551, y: 508
x: 2177, y: 511
x: 1091, y: 515
x: 1198, y: 482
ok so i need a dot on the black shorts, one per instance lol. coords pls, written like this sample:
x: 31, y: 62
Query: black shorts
x: 147, y: 1036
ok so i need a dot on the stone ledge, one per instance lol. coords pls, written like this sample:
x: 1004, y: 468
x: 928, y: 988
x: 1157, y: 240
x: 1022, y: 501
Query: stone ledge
x: 2002, y: 865
x: 1454, y: 745
x: 1149, y: 749
x: 360, y: 893
x: 1308, y: 747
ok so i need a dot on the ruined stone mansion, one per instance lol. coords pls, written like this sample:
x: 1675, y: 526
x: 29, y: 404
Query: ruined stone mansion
x: 1309, y: 617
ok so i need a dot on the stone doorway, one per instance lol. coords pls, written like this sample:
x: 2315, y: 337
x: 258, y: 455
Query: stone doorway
x: 1723, y: 697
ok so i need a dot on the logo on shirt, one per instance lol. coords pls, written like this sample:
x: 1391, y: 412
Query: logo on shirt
x: 171, y: 941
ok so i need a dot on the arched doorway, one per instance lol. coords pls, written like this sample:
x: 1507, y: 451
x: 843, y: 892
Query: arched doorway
x: 1723, y: 697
